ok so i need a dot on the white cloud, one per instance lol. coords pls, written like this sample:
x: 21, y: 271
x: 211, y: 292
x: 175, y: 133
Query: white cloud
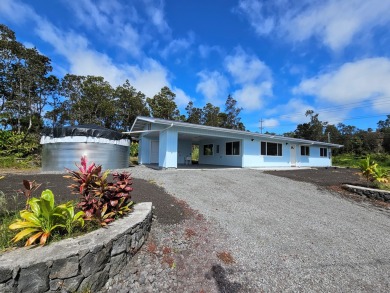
x: 148, y: 76
x: 254, y: 10
x: 250, y: 96
x: 253, y: 78
x: 112, y: 21
x: 352, y: 83
x: 155, y: 11
x: 177, y: 45
x: 246, y: 68
x: 269, y: 123
x: 335, y: 23
x: 205, y: 50
x: 213, y: 85
x: 16, y: 11
x: 181, y: 98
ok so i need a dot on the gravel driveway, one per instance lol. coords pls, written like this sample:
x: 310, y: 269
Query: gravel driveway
x: 286, y: 235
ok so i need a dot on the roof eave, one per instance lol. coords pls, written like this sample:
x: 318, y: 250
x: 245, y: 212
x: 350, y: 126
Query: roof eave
x: 233, y: 131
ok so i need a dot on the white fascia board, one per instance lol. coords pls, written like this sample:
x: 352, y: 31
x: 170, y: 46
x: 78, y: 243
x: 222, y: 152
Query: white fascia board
x: 237, y: 132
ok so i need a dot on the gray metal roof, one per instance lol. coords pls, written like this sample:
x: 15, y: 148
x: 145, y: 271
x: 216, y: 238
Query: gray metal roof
x: 141, y: 121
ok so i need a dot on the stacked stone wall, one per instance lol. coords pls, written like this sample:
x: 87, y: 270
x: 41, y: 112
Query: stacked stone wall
x: 77, y: 264
x: 368, y: 192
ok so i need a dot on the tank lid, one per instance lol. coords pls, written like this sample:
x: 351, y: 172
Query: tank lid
x: 83, y: 130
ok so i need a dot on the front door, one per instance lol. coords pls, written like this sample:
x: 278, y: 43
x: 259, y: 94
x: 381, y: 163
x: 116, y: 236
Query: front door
x: 293, y: 155
x: 154, y: 152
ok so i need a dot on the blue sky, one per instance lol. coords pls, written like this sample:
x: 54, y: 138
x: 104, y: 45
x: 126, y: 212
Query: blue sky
x: 276, y: 58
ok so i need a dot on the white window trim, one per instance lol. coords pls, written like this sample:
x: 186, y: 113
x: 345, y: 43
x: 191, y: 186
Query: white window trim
x: 308, y: 148
x: 327, y: 151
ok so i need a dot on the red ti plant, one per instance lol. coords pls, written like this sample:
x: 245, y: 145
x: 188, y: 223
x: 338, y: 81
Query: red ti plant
x: 118, y: 193
x: 29, y: 188
x: 101, y: 200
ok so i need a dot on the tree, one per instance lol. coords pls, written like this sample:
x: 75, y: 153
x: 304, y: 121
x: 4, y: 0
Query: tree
x: 194, y: 115
x: 89, y: 100
x: 23, y: 78
x: 129, y: 104
x: 384, y: 128
x: 210, y: 115
x: 312, y: 130
x: 232, y: 119
x: 163, y: 105
x: 56, y: 116
x: 71, y: 90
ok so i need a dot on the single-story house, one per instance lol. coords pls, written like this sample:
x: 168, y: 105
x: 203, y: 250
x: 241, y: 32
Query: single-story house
x: 170, y: 143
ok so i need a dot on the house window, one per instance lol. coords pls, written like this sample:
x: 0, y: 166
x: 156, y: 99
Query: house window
x: 208, y: 150
x: 271, y: 149
x: 323, y: 152
x: 233, y: 148
x: 305, y: 151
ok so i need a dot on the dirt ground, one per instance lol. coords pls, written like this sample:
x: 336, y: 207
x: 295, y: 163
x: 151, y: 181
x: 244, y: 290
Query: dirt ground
x: 332, y: 178
x: 167, y: 209
x: 323, y: 176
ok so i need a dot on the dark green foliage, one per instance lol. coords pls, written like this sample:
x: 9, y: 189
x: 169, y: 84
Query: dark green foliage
x: 231, y: 118
x: 211, y: 115
x: 194, y: 115
x: 313, y: 130
x: 134, y: 149
x: 163, y: 105
x: 18, y: 144
x: 129, y: 104
x: 22, y: 83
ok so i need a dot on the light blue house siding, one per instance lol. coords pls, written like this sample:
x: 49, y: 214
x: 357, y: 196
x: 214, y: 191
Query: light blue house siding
x: 219, y: 157
x: 168, y: 143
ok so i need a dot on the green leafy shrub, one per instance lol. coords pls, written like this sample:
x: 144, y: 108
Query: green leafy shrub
x: 134, y: 149
x: 18, y: 145
x: 367, y: 167
x: 72, y: 219
x: 43, y: 218
x: 101, y: 200
x: 371, y: 171
x: 381, y: 175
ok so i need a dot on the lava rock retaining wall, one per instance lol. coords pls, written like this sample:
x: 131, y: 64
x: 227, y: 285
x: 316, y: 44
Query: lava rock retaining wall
x: 368, y: 192
x: 74, y: 264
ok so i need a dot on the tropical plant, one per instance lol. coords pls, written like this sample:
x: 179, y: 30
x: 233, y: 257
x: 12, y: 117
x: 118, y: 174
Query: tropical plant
x: 134, y: 149
x: 29, y: 188
x: 101, y: 200
x: 381, y: 175
x: 367, y: 167
x: 72, y: 219
x: 119, y: 193
x: 43, y: 218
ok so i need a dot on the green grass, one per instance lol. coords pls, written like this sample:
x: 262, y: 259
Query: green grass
x: 6, y: 234
x: 12, y: 162
x: 352, y: 160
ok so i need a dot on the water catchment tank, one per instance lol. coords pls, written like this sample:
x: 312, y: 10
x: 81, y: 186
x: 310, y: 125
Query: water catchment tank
x: 62, y: 147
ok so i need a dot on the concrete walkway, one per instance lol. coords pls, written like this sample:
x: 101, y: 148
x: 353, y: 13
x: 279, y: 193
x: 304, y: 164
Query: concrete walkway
x: 288, y: 236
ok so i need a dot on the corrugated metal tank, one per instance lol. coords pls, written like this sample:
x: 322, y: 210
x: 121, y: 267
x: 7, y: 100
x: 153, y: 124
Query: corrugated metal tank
x: 62, y: 147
